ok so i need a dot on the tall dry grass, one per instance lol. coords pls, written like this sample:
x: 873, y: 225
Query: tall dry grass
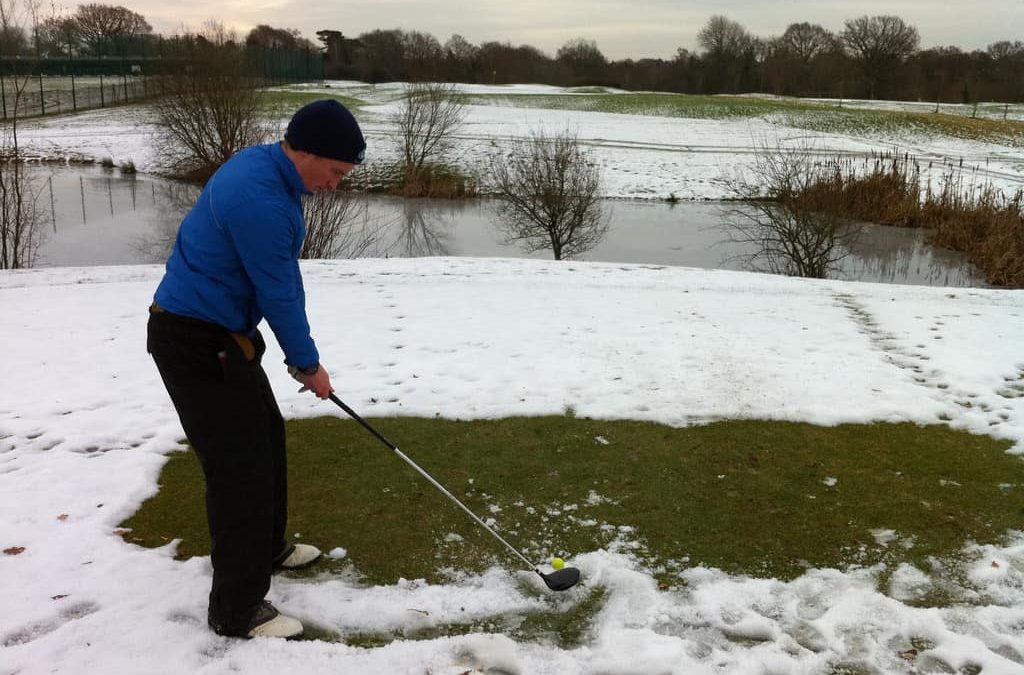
x: 961, y: 212
x: 434, y: 180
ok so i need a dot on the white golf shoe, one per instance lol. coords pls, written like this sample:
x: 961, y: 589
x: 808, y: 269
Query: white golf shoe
x: 300, y: 556
x: 268, y: 622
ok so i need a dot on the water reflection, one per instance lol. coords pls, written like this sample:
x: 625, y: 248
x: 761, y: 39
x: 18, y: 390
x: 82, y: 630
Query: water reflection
x: 902, y: 255
x: 104, y: 218
x: 424, y: 229
x: 154, y: 244
x: 789, y: 240
x: 756, y: 241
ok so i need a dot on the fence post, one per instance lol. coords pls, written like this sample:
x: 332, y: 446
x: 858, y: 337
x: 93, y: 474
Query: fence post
x: 39, y: 67
x: 71, y: 65
x: 53, y: 207
x: 144, y: 71
x: 3, y: 92
x: 102, y: 101
x: 124, y: 71
x: 81, y: 190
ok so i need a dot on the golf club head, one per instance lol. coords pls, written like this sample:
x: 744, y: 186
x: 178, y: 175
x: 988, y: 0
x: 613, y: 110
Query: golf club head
x: 562, y: 580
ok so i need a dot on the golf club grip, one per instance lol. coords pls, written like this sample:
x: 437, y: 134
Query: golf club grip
x: 405, y: 458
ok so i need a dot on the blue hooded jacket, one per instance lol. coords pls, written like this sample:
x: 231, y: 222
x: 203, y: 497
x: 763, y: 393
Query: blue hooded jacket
x: 236, y: 257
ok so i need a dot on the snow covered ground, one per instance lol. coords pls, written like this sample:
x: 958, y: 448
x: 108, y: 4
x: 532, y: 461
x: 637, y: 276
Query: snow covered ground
x: 644, y: 157
x: 85, y: 427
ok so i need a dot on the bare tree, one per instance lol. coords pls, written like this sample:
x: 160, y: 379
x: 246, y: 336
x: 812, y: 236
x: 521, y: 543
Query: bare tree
x: 728, y: 50
x: 460, y: 57
x: 460, y: 49
x: 23, y: 214
x: 338, y: 225
x: 1007, y: 69
x: 879, y: 45
x: 422, y: 54
x: 22, y: 217
x: 549, y: 195
x: 98, y: 27
x: 788, y: 230
x: 210, y: 109
x: 804, y: 41
x: 383, y: 55
x: 501, y: 63
x: 793, y: 61
x: 57, y: 35
x: 14, y: 41
x: 427, y: 120
x: 584, y: 59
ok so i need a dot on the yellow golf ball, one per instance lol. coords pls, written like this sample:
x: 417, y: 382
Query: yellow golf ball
x: 557, y: 563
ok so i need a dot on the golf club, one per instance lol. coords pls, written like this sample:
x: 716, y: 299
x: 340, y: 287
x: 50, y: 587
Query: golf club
x: 559, y: 580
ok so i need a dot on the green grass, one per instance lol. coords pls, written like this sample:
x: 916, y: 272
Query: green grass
x: 279, y: 103
x: 748, y: 497
x: 813, y: 116
x: 874, y: 122
x: 651, y: 104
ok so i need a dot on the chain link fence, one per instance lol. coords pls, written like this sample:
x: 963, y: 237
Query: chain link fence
x: 31, y: 86
x: 31, y: 96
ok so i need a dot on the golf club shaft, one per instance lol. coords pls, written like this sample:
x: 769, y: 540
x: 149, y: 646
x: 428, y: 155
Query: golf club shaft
x: 394, y: 448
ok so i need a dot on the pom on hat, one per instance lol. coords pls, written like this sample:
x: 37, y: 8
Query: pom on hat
x: 326, y: 128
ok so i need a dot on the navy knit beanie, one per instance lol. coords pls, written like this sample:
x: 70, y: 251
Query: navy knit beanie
x: 327, y: 129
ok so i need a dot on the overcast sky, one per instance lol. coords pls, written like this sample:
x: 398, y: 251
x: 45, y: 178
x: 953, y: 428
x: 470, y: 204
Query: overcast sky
x: 621, y: 28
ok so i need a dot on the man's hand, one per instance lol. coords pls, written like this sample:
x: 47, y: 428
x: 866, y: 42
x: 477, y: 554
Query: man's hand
x: 318, y: 382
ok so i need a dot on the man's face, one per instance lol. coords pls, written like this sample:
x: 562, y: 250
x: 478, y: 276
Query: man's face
x: 321, y: 173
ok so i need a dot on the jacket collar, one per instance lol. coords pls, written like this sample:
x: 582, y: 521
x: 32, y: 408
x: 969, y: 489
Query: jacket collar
x: 291, y: 175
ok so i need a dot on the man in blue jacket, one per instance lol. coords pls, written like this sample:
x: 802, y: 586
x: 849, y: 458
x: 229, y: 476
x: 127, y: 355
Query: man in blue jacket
x: 234, y: 263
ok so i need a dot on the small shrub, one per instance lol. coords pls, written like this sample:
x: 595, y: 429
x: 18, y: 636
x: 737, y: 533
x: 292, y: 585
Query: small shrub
x: 427, y: 120
x: 431, y: 180
x: 549, y: 195
x: 210, y: 108
x: 128, y: 168
x: 107, y: 162
x: 783, y: 221
x: 338, y: 225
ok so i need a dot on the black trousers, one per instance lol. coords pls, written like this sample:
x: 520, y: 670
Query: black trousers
x: 232, y: 420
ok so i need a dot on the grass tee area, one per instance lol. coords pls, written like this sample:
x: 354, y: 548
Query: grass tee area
x: 767, y: 499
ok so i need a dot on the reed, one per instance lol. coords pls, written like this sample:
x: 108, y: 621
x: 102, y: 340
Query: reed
x: 960, y: 210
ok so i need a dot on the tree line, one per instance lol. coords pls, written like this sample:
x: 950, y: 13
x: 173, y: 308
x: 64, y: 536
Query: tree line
x: 871, y: 57
x: 99, y: 30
